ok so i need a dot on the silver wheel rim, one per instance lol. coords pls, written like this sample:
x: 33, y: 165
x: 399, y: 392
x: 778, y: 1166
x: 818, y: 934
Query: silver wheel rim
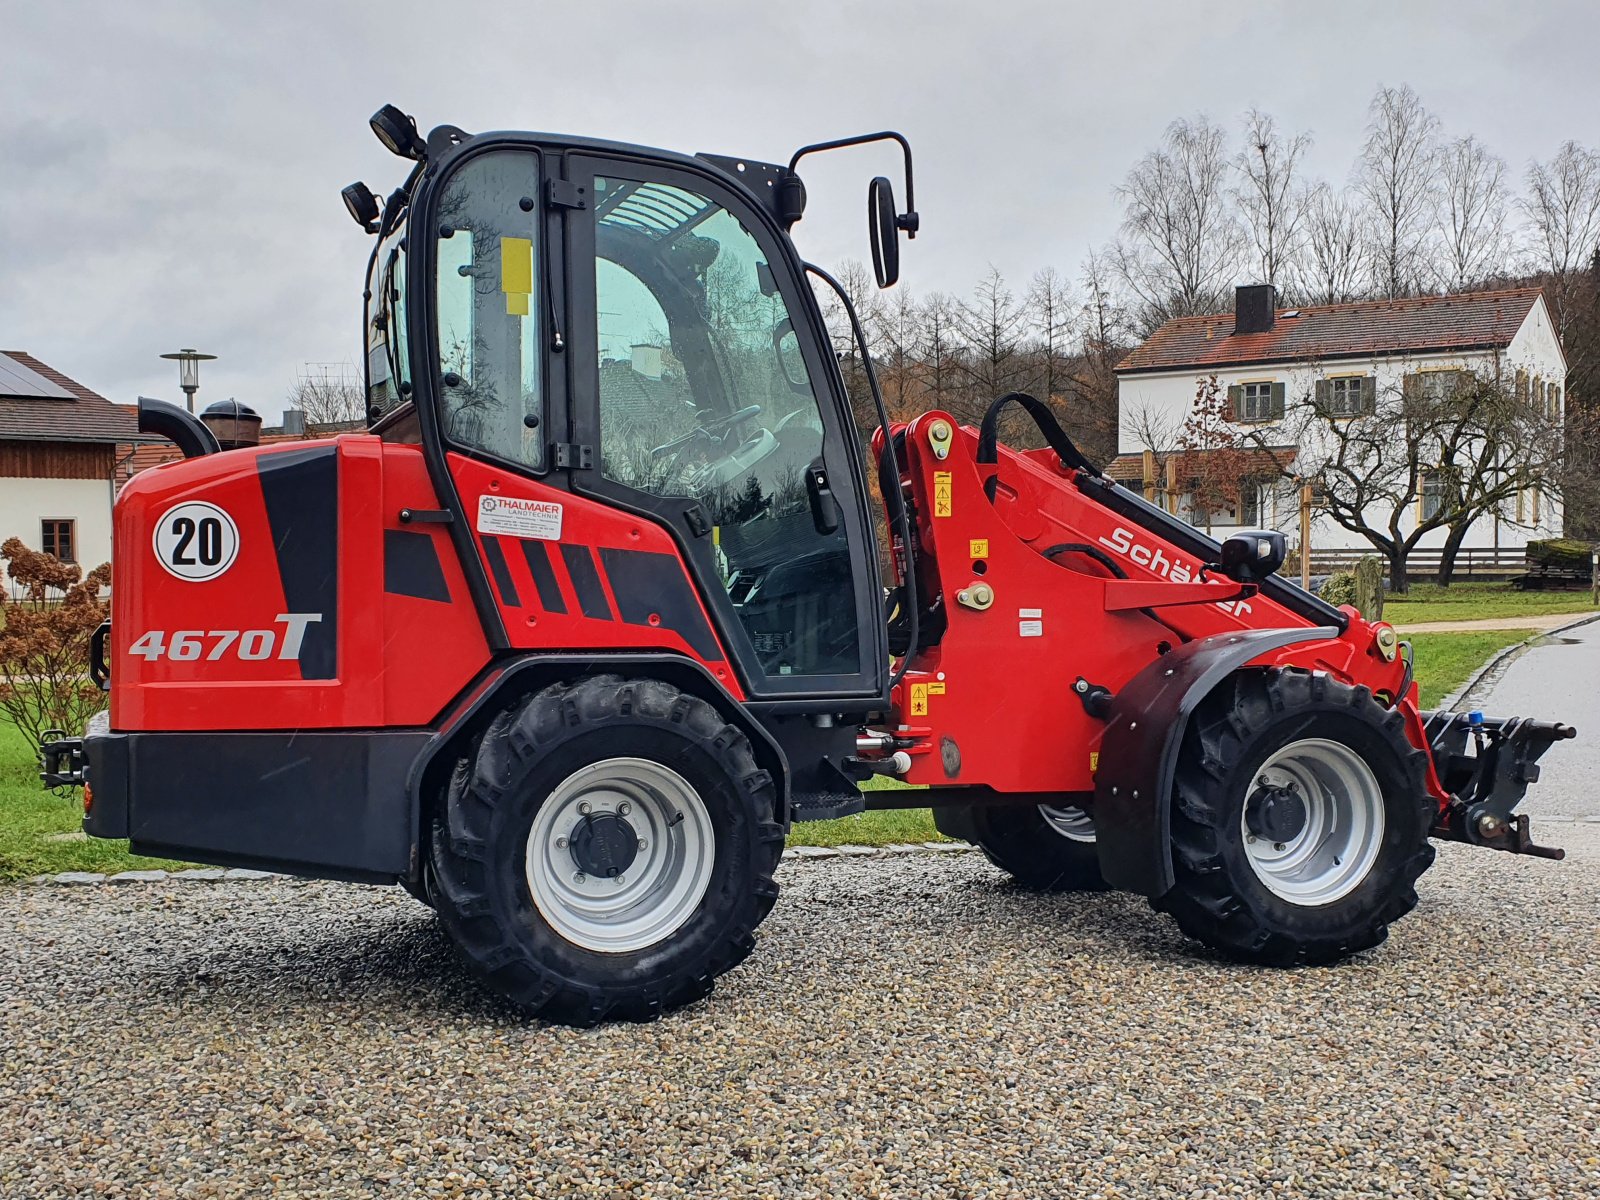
x: 1344, y: 821
x: 655, y: 894
x: 1071, y: 823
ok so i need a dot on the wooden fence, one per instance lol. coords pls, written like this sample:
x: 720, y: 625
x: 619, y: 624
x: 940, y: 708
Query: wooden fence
x: 1482, y: 562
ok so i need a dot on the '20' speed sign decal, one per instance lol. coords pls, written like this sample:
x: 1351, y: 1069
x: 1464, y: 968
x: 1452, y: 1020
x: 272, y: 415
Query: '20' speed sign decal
x: 196, y: 541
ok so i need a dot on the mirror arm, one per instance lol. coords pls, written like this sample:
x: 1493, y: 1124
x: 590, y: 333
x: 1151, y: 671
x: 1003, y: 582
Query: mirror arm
x: 908, y: 222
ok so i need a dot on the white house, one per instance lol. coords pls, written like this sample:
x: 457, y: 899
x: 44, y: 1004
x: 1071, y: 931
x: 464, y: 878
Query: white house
x: 58, y: 454
x: 1346, y: 356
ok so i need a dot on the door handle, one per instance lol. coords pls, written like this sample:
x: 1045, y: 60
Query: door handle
x: 824, y: 508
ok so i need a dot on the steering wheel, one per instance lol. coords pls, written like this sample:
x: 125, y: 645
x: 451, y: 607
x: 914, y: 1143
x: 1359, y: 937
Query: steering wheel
x: 707, y: 429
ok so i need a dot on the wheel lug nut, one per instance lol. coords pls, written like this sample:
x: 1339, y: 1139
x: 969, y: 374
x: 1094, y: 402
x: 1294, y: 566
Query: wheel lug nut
x: 561, y: 843
x: 643, y: 845
x: 621, y: 879
x: 585, y: 807
x: 1279, y: 846
x: 1251, y: 839
x: 624, y: 809
x: 580, y: 877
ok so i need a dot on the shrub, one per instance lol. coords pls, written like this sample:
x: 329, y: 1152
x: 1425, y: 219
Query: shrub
x: 1340, y: 588
x: 44, y: 647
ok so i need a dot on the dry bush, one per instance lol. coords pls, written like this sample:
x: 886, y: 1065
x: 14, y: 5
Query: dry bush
x: 44, y: 647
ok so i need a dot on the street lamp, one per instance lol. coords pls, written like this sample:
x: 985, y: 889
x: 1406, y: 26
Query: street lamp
x: 189, y: 371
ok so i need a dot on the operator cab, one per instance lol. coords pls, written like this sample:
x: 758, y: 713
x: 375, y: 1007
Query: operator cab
x: 635, y: 326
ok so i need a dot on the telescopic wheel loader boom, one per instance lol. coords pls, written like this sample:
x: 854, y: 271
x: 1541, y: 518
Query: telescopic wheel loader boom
x: 593, y: 611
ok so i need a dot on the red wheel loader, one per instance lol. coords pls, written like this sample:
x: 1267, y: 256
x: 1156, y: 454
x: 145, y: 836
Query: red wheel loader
x: 593, y: 611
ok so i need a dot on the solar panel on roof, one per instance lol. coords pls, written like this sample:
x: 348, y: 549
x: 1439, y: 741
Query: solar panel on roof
x: 25, y: 382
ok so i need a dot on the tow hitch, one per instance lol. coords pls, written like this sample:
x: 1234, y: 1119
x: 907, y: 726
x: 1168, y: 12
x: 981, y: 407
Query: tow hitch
x: 1487, y: 784
x: 62, y: 759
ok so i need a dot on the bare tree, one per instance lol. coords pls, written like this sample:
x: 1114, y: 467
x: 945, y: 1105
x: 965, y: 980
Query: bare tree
x: 1270, y: 202
x: 992, y: 325
x: 1103, y: 340
x: 1563, y: 209
x: 1394, y: 178
x: 1049, y: 313
x: 940, y: 350
x: 1182, y: 241
x: 1157, y: 431
x: 1473, y: 242
x: 1331, y: 265
x: 329, y: 394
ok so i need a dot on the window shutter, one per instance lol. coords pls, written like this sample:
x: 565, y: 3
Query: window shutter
x: 1369, y: 394
x: 1411, y: 387
x: 1320, y: 392
x: 1277, y: 402
x: 1231, y: 412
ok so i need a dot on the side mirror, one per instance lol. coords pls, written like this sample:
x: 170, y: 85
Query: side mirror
x: 1251, y: 556
x: 786, y: 348
x: 883, y: 229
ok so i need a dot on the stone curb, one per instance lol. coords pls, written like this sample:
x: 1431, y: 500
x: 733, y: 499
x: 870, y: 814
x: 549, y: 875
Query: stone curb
x: 197, y: 875
x: 1450, y: 702
x: 239, y: 875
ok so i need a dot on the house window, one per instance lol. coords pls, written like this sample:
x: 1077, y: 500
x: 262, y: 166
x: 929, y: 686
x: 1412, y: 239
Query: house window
x: 1345, y: 396
x: 60, y: 538
x: 1433, y: 494
x: 1255, y: 402
x: 1440, y: 386
x: 1250, y: 504
x: 1553, y: 400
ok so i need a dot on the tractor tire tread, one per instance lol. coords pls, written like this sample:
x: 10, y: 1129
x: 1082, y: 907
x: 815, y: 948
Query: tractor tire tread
x: 1205, y: 900
x: 512, y: 746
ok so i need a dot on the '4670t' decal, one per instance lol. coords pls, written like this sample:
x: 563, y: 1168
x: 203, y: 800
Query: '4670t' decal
x: 252, y: 645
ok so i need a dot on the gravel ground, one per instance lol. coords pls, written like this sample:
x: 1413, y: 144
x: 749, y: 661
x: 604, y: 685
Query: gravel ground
x: 909, y: 1026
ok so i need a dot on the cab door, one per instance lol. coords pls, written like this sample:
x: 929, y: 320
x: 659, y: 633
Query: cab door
x: 697, y: 378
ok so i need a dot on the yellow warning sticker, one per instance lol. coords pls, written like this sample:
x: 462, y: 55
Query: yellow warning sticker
x: 919, y: 699
x: 936, y: 689
x: 1094, y: 761
x: 516, y: 265
x: 516, y: 274
x: 941, y: 493
x: 978, y: 547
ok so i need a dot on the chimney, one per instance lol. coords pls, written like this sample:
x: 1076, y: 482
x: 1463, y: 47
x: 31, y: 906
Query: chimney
x: 647, y: 361
x: 1255, y: 308
x: 294, y: 422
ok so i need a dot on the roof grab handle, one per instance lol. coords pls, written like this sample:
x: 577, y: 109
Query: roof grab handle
x: 179, y: 426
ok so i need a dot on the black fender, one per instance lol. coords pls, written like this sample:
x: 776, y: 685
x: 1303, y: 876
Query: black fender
x: 1139, y: 752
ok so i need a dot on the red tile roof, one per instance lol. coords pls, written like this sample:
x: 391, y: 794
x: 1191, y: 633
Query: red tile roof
x: 86, y: 417
x: 1129, y: 468
x: 134, y: 459
x: 1418, y: 324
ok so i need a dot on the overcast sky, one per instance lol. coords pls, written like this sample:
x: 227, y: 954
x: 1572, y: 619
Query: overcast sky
x: 170, y: 173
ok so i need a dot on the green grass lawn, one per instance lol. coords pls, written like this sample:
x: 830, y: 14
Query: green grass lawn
x: 30, y: 817
x: 1478, y: 601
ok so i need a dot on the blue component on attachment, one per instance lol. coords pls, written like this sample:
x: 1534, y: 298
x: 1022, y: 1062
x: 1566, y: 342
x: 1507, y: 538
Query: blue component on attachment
x: 1474, y: 717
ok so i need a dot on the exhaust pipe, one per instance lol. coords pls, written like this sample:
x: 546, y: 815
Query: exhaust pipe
x: 179, y: 426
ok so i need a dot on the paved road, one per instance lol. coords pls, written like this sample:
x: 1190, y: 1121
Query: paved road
x: 1557, y: 679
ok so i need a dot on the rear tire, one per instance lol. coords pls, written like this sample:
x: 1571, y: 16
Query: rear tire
x: 608, y: 852
x: 1044, y: 848
x: 1323, y: 876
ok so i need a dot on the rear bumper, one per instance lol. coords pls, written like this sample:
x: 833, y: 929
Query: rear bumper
x: 335, y: 804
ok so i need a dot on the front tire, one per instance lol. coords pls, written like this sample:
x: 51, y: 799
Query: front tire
x: 1300, y: 821
x: 607, y: 852
x: 1045, y: 848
